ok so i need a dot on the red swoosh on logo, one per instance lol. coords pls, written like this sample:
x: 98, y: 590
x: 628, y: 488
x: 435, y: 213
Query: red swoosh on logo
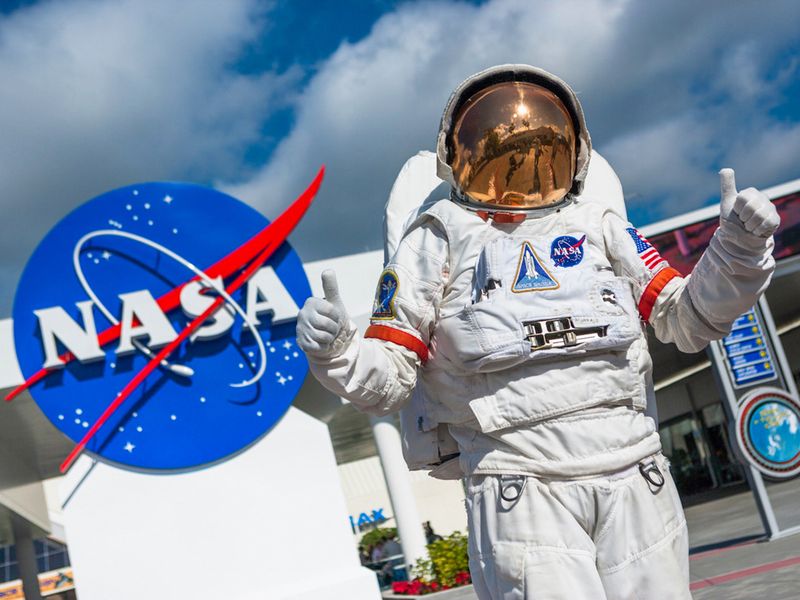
x: 579, y: 243
x: 270, y: 239
x: 278, y: 231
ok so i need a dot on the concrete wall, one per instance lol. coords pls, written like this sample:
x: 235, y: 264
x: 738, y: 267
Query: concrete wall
x: 28, y: 501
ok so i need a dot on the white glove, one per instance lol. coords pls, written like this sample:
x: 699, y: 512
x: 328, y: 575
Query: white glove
x: 749, y: 209
x: 323, y: 324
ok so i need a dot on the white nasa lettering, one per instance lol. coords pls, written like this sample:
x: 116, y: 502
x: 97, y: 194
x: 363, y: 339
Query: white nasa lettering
x: 569, y: 251
x: 276, y: 299
x: 81, y: 341
x: 266, y: 295
x: 153, y: 322
x: 194, y: 303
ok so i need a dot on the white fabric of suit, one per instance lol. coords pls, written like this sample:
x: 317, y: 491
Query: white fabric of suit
x: 613, y: 537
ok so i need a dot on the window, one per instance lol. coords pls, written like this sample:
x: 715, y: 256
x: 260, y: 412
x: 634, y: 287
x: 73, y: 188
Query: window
x: 50, y: 555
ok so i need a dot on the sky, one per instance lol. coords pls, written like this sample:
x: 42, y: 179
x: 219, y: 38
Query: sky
x: 252, y: 96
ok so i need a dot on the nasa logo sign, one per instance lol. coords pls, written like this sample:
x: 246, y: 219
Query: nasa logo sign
x: 155, y: 325
x: 768, y: 431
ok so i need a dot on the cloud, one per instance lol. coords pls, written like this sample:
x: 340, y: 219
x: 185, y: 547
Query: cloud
x: 672, y: 91
x: 769, y: 156
x: 99, y: 94
x: 668, y: 158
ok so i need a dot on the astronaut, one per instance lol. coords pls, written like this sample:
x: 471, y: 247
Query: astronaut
x: 509, y: 327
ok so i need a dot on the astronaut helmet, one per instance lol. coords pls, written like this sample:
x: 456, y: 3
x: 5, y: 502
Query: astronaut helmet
x: 513, y: 142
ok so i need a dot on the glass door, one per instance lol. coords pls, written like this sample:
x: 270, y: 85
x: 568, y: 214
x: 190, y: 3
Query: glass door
x: 689, y: 454
x: 727, y: 469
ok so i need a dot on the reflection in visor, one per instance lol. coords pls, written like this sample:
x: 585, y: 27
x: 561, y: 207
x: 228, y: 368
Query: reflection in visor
x: 513, y: 145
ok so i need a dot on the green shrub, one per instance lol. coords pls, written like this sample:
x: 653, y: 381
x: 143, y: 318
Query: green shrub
x: 378, y: 534
x: 448, y: 561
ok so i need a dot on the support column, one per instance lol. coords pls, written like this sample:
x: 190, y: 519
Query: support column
x: 26, y: 558
x: 409, y: 524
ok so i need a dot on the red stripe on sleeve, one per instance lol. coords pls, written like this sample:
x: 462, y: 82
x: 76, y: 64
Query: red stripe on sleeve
x: 396, y: 336
x: 653, y: 289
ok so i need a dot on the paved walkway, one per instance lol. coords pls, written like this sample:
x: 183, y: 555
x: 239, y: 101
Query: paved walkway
x: 731, y: 558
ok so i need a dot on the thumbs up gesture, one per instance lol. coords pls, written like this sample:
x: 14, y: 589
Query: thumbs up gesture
x: 322, y: 322
x: 749, y: 209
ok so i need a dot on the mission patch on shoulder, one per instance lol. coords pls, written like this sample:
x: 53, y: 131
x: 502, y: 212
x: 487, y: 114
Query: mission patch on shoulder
x: 383, y: 307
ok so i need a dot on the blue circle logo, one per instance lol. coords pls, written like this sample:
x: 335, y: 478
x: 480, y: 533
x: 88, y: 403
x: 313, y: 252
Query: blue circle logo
x: 155, y: 324
x: 768, y: 431
x: 567, y: 251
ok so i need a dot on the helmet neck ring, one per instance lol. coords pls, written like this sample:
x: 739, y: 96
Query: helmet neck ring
x: 507, y: 214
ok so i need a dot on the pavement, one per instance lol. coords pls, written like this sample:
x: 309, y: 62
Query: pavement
x: 730, y: 557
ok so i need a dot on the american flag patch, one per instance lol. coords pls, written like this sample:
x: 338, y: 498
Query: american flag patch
x: 647, y: 252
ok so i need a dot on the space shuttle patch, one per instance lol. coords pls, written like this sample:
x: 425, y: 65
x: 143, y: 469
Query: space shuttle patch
x: 531, y: 274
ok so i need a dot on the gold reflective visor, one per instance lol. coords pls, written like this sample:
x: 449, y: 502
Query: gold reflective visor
x: 513, y: 145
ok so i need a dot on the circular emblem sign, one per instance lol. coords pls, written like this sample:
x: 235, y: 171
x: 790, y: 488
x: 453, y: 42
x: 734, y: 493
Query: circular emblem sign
x: 768, y: 431
x: 159, y: 297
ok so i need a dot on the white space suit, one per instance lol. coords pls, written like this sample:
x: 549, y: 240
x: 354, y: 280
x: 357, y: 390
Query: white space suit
x: 523, y: 346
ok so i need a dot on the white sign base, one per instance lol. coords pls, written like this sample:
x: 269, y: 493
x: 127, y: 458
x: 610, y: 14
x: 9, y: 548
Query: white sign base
x: 269, y: 523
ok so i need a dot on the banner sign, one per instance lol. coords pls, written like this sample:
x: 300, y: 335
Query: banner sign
x: 683, y: 247
x: 50, y: 583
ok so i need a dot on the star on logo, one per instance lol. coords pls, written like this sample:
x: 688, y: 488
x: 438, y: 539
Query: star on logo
x: 282, y: 380
x: 168, y: 199
x: 129, y: 447
x: 287, y: 344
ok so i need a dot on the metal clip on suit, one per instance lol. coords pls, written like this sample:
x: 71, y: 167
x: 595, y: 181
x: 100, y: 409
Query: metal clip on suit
x: 559, y: 333
x: 652, y: 475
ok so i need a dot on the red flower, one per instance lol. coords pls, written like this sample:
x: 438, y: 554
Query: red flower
x: 463, y: 578
x: 400, y: 587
